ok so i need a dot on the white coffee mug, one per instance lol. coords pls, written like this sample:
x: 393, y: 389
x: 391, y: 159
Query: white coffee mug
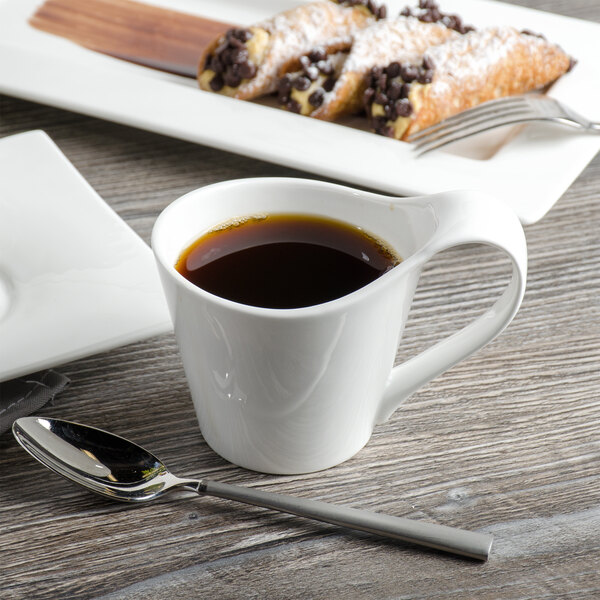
x: 298, y: 390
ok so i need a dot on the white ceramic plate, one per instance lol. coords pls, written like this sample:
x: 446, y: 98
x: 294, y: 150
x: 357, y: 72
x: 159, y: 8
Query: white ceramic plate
x: 74, y: 278
x: 529, y: 167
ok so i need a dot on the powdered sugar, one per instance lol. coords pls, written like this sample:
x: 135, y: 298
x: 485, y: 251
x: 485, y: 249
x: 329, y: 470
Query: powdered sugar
x: 294, y: 33
x: 402, y: 39
x: 470, y: 57
x: 293, y: 36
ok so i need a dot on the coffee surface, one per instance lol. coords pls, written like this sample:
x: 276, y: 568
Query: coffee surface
x: 285, y: 261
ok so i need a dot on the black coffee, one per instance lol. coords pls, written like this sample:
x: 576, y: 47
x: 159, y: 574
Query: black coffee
x: 285, y: 261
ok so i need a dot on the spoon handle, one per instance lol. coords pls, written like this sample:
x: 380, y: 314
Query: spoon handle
x: 441, y: 537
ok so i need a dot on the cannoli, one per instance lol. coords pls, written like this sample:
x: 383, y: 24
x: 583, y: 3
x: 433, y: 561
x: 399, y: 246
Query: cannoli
x: 405, y: 97
x: 244, y: 63
x: 337, y: 88
x: 327, y: 86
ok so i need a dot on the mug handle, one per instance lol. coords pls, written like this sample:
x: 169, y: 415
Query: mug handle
x: 463, y: 218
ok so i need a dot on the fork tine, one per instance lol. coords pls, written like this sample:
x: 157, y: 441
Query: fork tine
x: 447, y: 126
x: 505, y: 111
x: 434, y: 144
x: 490, y: 107
x: 476, y: 122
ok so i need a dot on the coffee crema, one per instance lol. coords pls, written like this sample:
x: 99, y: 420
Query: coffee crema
x: 285, y: 260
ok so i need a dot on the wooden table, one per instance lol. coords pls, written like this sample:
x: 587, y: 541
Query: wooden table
x: 506, y: 442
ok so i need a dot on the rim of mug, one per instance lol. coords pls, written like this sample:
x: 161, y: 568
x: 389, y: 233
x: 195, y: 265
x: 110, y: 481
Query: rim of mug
x: 331, y: 305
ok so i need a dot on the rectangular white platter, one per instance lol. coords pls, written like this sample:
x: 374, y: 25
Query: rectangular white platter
x: 528, y: 167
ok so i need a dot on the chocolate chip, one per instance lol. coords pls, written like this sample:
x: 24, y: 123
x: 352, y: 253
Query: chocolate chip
x: 317, y: 54
x: 455, y: 22
x: 248, y: 70
x: 368, y: 96
x: 284, y: 84
x: 284, y: 87
x: 405, y: 90
x: 403, y: 107
x: 311, y: 72
x: 368, y: 4
x: 382, y: 82
x: 382, y: 14
x: 216, y: 83
x: 529, y: 32
x: 409, y: 73
x: 301, y: 83
x: 380, y: 98
x: 325, y: 67
x: 232, y: 78
x: 329, y: 84
x: 379, y: 125
x: 221, y: 47
x: 215, y: 64
x: 293, y: 106
x: 235, y: 43
x: 305, y: 62
x: 428, y: 63
x: 376, y: 73
x: 243, y: 35
x: 394, y: 90
x: 450, y: 21
x: 393, y: 70
x: 425, y: 76
x: 226, y: 57
x: 316, y: 98
x: 429, y: 12
x: 239, y: 55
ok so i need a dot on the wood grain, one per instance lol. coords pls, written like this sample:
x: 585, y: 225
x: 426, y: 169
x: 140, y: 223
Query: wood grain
x: 507, y: 442
x: 135, y: 31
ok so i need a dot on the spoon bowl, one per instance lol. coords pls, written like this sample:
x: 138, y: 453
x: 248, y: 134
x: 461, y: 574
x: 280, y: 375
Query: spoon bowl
x: 103, y: 462
x: 114, y: 467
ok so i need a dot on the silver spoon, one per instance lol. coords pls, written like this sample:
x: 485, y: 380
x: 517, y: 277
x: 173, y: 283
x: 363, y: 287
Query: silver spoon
x: 115, y: 467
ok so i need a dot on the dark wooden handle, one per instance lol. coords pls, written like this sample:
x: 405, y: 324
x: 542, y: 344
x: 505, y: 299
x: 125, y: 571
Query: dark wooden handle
x: 140, y: 33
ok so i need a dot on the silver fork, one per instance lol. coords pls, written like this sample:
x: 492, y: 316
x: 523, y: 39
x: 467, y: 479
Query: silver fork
x: 496, y: 113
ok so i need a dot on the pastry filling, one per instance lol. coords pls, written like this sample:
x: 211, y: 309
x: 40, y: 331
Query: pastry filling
x: 235, y: 60
x: 429, y: 12
x: 304, y: 91
x: 393, y: 94
x: 378, y: 11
